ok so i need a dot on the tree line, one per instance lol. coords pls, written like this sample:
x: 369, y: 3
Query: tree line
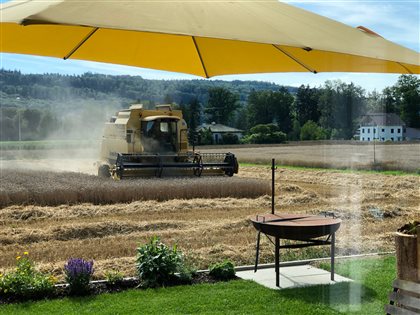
x: 332, y: 111
x: 35, y: 107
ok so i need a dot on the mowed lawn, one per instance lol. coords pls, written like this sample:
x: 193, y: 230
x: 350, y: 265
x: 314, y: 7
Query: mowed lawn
x: 366, y: 295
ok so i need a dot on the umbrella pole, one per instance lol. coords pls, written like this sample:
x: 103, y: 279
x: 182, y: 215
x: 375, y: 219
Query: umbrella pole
x: 273, y: 168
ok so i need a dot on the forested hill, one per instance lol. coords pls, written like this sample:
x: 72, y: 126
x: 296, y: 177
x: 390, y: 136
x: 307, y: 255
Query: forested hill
x: 54, y: 106
x: 51, y: 89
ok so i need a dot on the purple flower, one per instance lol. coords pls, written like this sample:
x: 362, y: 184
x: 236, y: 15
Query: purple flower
x: 76, y: 267
x: 78, y: 273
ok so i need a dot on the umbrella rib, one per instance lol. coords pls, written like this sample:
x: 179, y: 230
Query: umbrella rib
x: 199, y: 56
x: 408, y: 70
x: 295, y: 59
x: 80, y: 44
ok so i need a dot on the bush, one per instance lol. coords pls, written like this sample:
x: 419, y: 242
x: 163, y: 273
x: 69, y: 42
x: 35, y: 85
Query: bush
x: 311, y: 131
x: 264, y: 129
x: 78, y: 273
x: 114, y: 277
x: 222, y: 271
x: 260, y: 138
x: 205, y: 137
x: 230, y: 138
x: 25, y: 281
x: 339, y: 134
x: 157, y: 263
x: 186, y: 274
x: 265, y: 134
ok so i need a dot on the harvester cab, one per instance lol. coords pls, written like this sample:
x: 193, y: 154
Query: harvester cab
x: 154, y: 142
x: 159, y: 134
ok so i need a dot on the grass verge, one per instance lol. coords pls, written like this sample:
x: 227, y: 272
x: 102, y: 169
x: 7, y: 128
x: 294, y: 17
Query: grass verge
x: 366, y: 295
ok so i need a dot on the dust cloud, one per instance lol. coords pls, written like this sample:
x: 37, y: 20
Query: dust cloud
x: 74, y: 147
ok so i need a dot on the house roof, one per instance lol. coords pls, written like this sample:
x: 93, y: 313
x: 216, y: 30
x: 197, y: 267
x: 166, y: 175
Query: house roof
x: 218, y: 128
x: 381, y: 119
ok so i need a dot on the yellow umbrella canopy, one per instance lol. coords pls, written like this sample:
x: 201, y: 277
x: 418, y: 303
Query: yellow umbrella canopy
x: 203, y: 38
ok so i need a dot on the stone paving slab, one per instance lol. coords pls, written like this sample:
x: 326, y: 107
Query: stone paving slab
x: 291, y: 277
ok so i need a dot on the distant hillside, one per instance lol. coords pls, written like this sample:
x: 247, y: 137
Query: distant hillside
x: 54, y: 106
x: 34, y: 90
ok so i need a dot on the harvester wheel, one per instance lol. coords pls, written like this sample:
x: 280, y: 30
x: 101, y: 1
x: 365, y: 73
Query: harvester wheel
x: 229, y: 173
x: 103, y: 171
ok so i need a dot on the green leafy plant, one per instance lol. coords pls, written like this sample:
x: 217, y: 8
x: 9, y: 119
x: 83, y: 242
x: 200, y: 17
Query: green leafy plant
x: 186, y: 274
x: 157, y: 263
x: 222, y: 271
x: 26, y: 281
x: 113, y: 277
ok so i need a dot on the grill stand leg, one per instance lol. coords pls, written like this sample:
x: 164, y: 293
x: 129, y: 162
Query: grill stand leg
x: 257, y: 251
x: 332, y: 255
x: 277, y: 262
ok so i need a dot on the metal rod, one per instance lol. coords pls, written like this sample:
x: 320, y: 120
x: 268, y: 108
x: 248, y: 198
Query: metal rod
x: 273, y: 168
x: 374, y: 146
x: 297, y: 60
x: 332, y: 255
x: 258, y: 251
x: 277, y: 262
x: 200, y: 56
x: 93, y: 31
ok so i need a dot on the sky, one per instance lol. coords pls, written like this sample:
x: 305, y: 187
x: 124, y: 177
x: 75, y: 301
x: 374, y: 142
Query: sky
x: 395, y: 20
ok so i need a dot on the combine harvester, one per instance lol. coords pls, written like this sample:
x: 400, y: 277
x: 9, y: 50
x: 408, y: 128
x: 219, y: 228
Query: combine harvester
x: 144, y: 142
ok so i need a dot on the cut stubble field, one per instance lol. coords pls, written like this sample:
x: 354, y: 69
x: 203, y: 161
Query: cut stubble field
x: 327, y: 154
x: 371, y: 205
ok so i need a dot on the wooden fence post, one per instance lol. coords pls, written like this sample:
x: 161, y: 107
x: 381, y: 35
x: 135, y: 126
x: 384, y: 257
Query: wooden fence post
x: 418, y: 253
x: 407, y: 256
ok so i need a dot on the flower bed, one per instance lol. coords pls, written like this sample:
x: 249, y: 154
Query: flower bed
x: 157, y: 264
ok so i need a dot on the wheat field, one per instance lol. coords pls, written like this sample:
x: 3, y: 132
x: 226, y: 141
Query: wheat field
x: 54, y: 209
x: 208, y: 229
x: 47, y: 188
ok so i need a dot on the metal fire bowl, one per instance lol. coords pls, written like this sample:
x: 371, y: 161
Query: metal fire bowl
x: 295, y: 226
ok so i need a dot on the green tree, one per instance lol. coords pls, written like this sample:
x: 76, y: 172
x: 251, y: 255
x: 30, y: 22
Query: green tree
x: 205, y: 137
x: 283, y: 101
x: 390, y: 103
x: 48, y: 125
x: 230, y: 138
x: 295, y: 133
x: 260, y: 108
x: 375, y: 102
x: 221, y: 105
x: 8, y: 128
x: 311, y: 131
x: 241, y: 119
x: 306, y: 104
x: 29, y: 121
x: 341, y: 105
x: 194, y: 120
x: 265, y: 107
x: 265, y: 133
x: 8, y: 124
x: 407, y: 95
